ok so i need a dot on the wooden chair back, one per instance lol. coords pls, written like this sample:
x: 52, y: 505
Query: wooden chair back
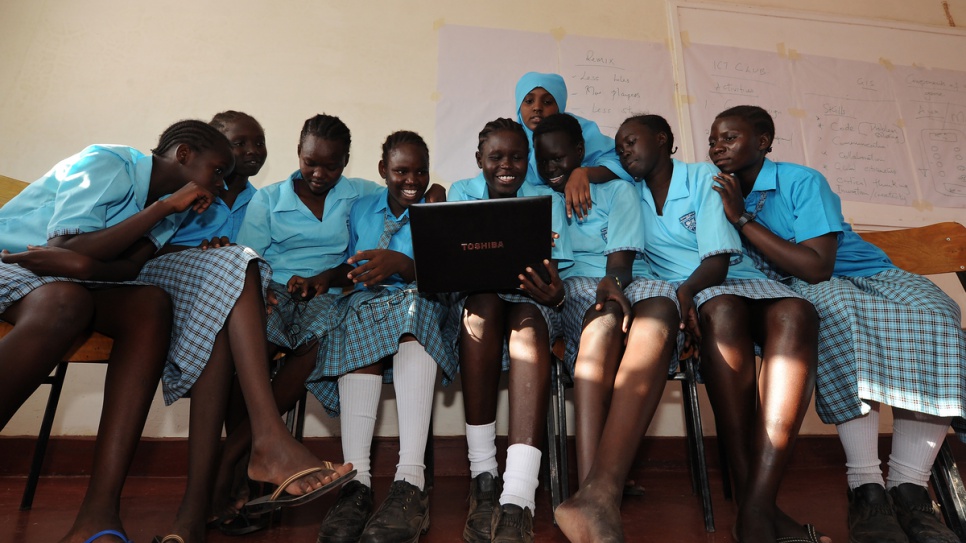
x: 927, y: 250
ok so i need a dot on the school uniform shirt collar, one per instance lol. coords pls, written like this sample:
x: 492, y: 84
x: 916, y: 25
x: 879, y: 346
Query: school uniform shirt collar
x: 679, y: 188
x: 142, y: 178
x: 767, y: 177
x: 288, y: 200
x: 382, y: 208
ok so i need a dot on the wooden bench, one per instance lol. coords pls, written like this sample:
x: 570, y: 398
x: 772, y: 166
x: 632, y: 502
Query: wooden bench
x: 929, y: 250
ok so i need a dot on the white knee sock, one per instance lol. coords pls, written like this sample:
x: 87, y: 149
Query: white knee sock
x: 414, y: 379
x: 359, y: 400
x: 916, y: 438
x: 860, y: 439
x: 481, y: 448
x: 520, y: 479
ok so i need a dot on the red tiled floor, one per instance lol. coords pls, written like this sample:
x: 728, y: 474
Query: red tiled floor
x: 667, y: 512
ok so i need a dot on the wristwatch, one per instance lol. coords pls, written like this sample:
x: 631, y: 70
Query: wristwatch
x: 617, y: 280
x: 744, y: 219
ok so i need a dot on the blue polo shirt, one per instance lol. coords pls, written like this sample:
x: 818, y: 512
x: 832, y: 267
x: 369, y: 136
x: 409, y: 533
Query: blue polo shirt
x: 797, y: 203
x: 475, y: 189
x: 95, y: 189
x: 291, y: 238
x: 615, y: 223
x: 217, y: 221
x: 676, y: 244
x: 366, y: 224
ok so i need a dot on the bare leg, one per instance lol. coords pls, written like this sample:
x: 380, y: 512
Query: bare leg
x: 593, y: 513
x: 138, y: 318
x: 529, y: 388
x: 275, y: 453
x: 790, y: 337
x: 46, y: 321
x: 601, y: 343
x: 481, y: 352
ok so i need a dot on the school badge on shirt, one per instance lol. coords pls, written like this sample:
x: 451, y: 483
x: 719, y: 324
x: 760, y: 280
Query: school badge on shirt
x: 688, y: 221
x: 603, y: 234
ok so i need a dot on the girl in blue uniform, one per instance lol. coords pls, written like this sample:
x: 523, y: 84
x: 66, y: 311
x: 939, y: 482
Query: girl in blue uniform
x: 220, y: 223
x: 691, y: 244
x: 887, y: 336
x: 217, y: 294
x: 101, y: 215
x: 610, y: 379
x: 540, y: 95
x: 384, y: 331
x: 507, y: 331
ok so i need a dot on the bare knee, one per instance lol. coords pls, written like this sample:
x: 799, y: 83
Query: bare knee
x: 606, y: 321
x: 725, y: 317
x: 481, y: 313
x: 62, y: 306
x: 659, y: 312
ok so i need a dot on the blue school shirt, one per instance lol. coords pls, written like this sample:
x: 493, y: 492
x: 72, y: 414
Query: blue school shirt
x: 615, y: 223
x: 217, y: 221
x: 475, y: 189
x: 97, y: 188
x: 598, y: 149
x: 692, y: 228
x: 797, y: 203
x: 294, y: 241
x: 367, y: 220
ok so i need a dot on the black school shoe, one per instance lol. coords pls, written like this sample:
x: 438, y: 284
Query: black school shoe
x: 347, y: 519
x: 918, y: 515
x: 485, y: 490
x: 872, y: 518
x: 512, y: 524
x: 402, y: 518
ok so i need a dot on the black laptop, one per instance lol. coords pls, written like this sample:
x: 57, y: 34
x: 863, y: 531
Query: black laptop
x: 481, y: 245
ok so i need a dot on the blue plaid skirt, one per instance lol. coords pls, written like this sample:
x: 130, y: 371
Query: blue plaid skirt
x: 17, y: 282
x: 204, y: 286
x: 550, y: 316
x: 365, y: 326
x: 893, y: 338
x: 293, y: 323
x: 582, y: 295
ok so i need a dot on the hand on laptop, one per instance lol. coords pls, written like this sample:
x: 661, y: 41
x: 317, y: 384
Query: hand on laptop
x: 545, y: 287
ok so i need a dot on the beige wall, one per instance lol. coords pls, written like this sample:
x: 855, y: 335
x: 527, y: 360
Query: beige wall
x: 76, y: 72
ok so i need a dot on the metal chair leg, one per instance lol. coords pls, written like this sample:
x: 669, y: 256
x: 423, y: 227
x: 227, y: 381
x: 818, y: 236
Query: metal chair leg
x: 948, y: 484
x: 694, y: 423
x: 56, y: 382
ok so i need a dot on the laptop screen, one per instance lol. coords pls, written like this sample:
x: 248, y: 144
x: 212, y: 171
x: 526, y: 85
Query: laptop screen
x: 480, y: 245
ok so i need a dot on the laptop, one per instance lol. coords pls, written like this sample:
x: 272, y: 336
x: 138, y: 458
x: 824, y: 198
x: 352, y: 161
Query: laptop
x: 480, y: 245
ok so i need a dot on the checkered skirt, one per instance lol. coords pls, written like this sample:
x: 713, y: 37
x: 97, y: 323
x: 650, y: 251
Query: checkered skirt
x: 893, y: 338
x: 582, y: 295
x: 204, y: 286
x: 293, y: 323
x: 16, y: 282
x: 753, y: 289
x: 365, y: 326
x: 550, y: 316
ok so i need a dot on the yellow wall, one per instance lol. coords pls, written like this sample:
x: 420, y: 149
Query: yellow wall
x: 75, y: 72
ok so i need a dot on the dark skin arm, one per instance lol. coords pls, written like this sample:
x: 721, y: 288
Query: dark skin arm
x: 213, y: 243
x: 549, y: 294
x: 61, y: 262
x: 307, y: 287
x: 380, y: 264
x: 712, y: 271
x: 109, y: 243
x: 619, y: 265
x: 577, y: 190
x: 811, y: 260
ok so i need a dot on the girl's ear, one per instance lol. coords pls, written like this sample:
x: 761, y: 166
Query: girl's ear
x: 346, y: 162
x: 661, y: 139
x: 764, y: 142
x: 580, y: 151
x: 298, y: 150
x: 182, y: 153
x: 479, y: 160
x: 382, y: 169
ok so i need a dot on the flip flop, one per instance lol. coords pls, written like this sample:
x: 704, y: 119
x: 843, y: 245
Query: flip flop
x: 103, y: 533
x: 170, y: 538
x: 280, y: 498
x: 245, y: 522
x: 811, y: 536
